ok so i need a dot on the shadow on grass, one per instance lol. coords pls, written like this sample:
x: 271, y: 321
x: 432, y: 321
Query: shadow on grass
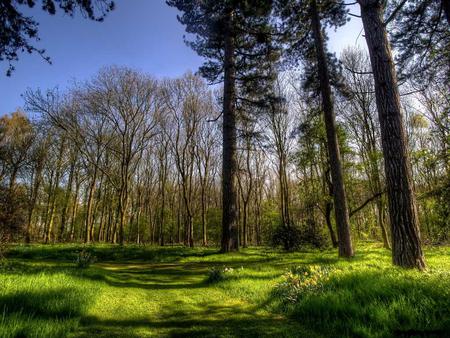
x: 106, y: 252
x: 210, y: 321
x: 50, y: 313
x: 52, y: 304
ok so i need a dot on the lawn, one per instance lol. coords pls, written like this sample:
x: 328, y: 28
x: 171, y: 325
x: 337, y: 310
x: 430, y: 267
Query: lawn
x: 145, y: 291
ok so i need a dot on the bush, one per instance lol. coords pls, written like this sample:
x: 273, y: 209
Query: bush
x: 289, y: 238
x: 294, y: 237
x: 216, y: 274
x: 313, y: 235
x: 84, y: 259
x: 300, y: 281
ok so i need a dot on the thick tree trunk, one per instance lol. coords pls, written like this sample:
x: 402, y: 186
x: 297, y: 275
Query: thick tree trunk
x: 406, y: 244
x: 340, y: 200
x: 229, y: 163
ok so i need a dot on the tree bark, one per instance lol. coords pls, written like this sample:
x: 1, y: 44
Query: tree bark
x: 229, y: 163
x: 406, y: 243
x: 340, y: 200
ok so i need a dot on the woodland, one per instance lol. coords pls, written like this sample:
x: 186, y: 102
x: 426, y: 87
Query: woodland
x: 279, y: 190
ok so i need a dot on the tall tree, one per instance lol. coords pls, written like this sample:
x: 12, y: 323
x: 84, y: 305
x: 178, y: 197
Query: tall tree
x: 305, y: 21
x: 406, y: 243
x: 360, y: 116
x: 233, y: 36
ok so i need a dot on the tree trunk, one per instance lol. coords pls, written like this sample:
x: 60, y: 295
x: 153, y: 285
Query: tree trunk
x: 33, y: 199
x: 229, y: 163
x: 74, y: 208
x: 406, y: 244
x: 204, y: 221
x: 340, y: 200
x: 90, y: 203
x: 66, y: 202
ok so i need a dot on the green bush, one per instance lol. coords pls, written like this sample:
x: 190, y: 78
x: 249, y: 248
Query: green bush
x: 288, y: 238
x: 84, y: 259
x: 216, y: 274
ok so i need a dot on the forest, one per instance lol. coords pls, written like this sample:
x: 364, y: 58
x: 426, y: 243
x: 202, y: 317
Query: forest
x: 279, y: 190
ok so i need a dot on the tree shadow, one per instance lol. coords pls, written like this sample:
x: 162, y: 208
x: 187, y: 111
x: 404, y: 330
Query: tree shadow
x: 51, y: 313
x: 211, y: 321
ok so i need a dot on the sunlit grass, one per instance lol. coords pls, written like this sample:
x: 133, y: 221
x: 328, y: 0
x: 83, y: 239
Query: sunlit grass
x: 141, y: 291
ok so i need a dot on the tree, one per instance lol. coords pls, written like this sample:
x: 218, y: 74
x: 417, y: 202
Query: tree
x: 420, y: 31
x: 406, y: 244
x: 279, y: 125
x: 360, y: 116
x: 16, y: 139
x: 234, y: 38
x: 17, y: 30
x: 128, y: 102
x: 304, y: 18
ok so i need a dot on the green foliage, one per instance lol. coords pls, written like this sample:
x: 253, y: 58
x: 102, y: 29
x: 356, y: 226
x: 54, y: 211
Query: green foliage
x: 216, y: 274
x: 300, y: 281
x: 296, y: 237
x: 289, y: 238
x: 84, y: 259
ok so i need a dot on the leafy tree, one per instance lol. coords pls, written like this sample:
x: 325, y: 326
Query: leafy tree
x: 18, y: 30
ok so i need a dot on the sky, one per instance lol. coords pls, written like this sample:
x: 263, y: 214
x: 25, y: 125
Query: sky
x: 142, y: 34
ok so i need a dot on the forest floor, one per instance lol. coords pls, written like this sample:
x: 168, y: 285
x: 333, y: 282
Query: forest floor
x: 145, y: 291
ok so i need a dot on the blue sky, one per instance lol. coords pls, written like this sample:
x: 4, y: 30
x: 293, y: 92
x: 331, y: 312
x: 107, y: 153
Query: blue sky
x: 142, y: 34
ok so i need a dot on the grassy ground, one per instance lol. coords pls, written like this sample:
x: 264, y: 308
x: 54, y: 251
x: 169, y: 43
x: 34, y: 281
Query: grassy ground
x: 150, y: 291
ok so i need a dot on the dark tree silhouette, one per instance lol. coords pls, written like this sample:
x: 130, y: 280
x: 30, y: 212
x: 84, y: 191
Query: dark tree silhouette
x: 17, y: 31
x: 421, y: 34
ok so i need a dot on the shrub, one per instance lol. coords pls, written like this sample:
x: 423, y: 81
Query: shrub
x: 295, y: 237
x: 289, y: 238
x: 216, y: 274
x: 84, y: 259
x: 300, y: 281
x: 313, y: 235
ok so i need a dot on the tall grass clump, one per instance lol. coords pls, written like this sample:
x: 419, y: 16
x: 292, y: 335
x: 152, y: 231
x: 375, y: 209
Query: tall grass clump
x: 367, y: 302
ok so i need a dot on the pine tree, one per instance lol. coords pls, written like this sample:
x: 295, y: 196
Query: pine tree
x: 421, y: 35
x: 305, y: 20
x: 234, y: 37
x: 17, y: 29
x: 406, y: 244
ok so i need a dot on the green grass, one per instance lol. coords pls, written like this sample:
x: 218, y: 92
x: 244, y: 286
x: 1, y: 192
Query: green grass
x: 151, y: 291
